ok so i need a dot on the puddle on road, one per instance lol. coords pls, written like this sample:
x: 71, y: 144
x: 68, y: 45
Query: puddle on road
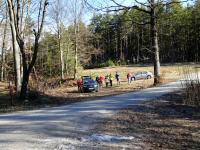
x: 97, y: 141
x: 86, y: 142
x: 65, y: 147
x: 106, y: 138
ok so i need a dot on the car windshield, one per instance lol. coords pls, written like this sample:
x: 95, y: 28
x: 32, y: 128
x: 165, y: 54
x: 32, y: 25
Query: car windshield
x: 86, y: 77
x: 89, y: 81
x: 138, y: 73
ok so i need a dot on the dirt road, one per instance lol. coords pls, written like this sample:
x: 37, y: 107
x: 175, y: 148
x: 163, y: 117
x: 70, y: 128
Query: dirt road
x: 70, y: 126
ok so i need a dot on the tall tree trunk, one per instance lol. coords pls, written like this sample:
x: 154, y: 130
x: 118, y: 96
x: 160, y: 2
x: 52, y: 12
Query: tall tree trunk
x: 66, y: 59
x: 154, y: 41
x: 76, y: 28
x: 141, y: 38
x: 116, y: 45
x: 62, y: 63
x: 121, y: 50
x: 24, y: 87
x: 16, y: 50
x: 27, y: 68
x: 138, y: 47
x: 19, y: 40
x: 3, y: 52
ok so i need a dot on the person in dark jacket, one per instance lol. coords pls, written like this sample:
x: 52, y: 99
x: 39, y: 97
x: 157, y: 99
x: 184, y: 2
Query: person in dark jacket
x: 111, y: 79
x: 117, y: 77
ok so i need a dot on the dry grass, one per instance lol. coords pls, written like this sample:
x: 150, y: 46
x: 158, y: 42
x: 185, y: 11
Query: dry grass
x: 165, y: 70
x: 168, y: 71
x: 3, y: 88
x: 168, y: 74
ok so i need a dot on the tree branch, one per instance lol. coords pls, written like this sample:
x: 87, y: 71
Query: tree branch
x: 37, y: 36
x: 118, y: 7
x: 17, y: 15
x: 43, y: 17
x: 40, y: 7
x: 142, y: 4
x: 148, y: 50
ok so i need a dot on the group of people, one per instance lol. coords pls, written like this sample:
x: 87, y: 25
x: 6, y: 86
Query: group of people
x: 109, y: 79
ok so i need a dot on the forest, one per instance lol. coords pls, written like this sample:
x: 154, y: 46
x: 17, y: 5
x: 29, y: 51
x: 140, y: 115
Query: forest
x: 55, y: 42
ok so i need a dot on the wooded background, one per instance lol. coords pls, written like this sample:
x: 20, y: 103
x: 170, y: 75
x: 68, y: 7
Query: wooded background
x: 68, y: 45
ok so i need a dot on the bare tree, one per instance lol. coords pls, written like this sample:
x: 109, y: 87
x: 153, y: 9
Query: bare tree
x: 16, y: 51
x: 59, y: 16
x: 14, y: 13
x: 152, y: 8
x: 4, y: 47
x: 77, y: 7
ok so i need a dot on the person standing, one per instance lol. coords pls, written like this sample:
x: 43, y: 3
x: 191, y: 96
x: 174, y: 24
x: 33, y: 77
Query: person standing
x: 101, y: 78
x: 79, y: 84
x: 107, y: 80
x: 98, y: 80
x: 117, y: 77
x: 129, y: 78
x: 111, y: 79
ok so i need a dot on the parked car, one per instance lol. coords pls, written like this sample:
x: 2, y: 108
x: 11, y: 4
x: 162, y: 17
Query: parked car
x: 86, y: 78
x: 142, y: 75
x: 89, y: 85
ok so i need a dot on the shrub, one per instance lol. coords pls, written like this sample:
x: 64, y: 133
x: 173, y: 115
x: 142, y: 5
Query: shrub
x: 192, y: 88
x: 123, y: 63
x: 110, y: 63
x: 192, y: 91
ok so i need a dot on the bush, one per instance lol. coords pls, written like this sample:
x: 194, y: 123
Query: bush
x: 192, y: 91
x: 192, y: 87
x: 123, y: 63
x: 110, y: 63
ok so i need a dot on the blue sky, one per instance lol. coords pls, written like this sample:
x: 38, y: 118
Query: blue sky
x: 102, y: 3
x: 88, y: 13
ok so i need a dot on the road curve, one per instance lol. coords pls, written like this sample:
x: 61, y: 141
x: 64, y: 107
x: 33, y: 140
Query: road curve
x: 63, y: 127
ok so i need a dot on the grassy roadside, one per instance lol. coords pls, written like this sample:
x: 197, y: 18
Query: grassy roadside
x: 67, y: 92
x: 161, y: 124
x: 168, y: 74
